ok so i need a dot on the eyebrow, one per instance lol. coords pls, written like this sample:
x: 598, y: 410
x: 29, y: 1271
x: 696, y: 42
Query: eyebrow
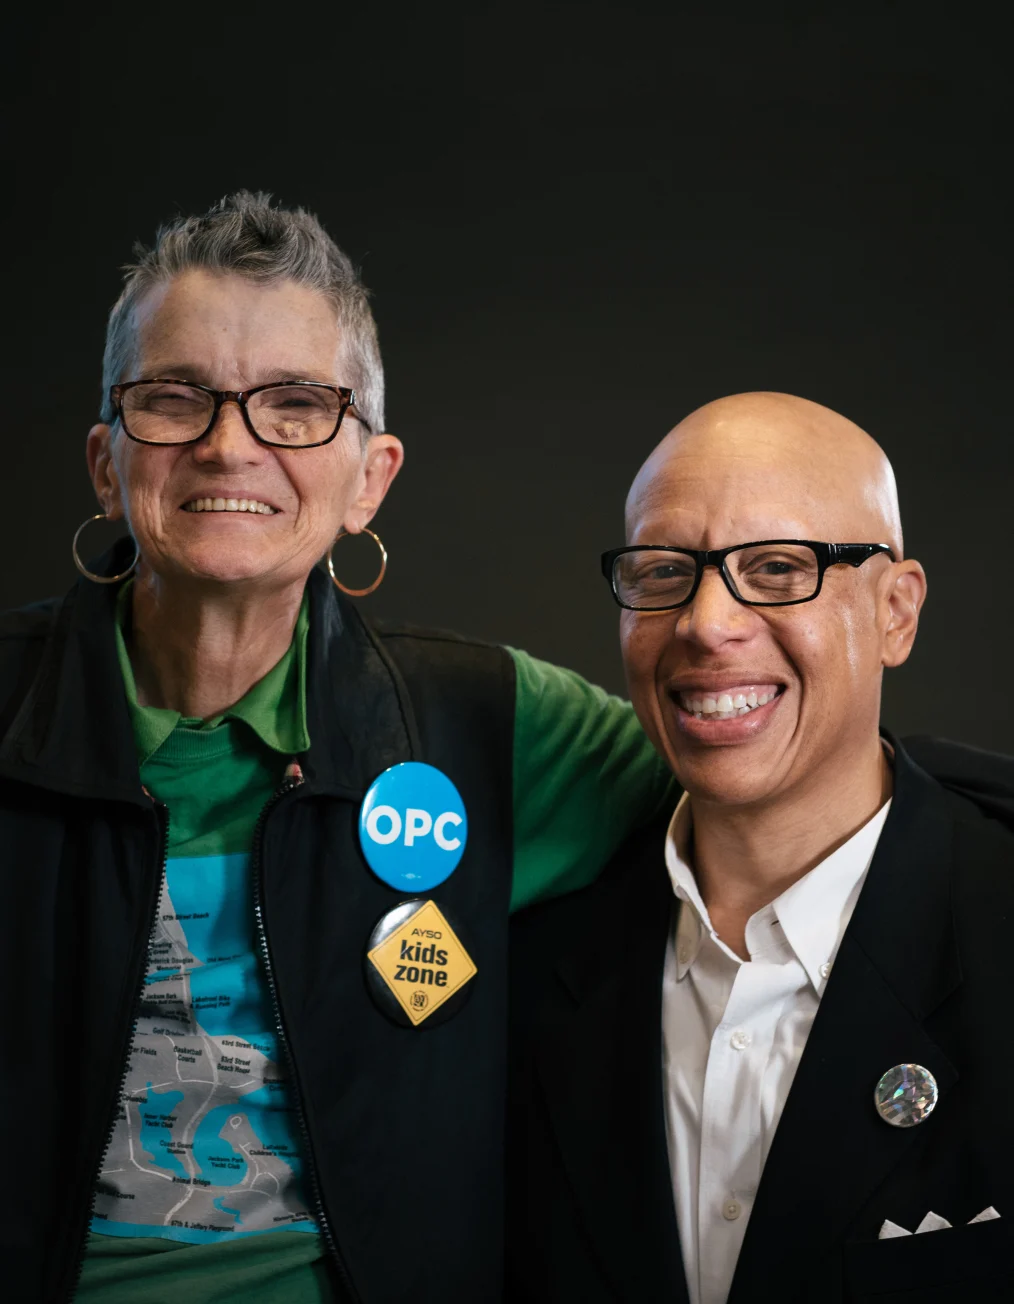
x: 199, y: 376
x: 279, y: 373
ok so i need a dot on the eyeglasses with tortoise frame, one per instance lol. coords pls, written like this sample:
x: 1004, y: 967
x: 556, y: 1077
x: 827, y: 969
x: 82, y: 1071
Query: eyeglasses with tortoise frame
x: 283, y: 414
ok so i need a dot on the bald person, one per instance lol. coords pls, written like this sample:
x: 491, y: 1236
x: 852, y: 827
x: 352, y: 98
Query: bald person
x: 767, y: 1056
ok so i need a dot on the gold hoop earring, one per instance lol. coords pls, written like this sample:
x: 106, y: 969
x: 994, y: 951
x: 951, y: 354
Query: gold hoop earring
x: 90, y: 575
x: 358, y: 593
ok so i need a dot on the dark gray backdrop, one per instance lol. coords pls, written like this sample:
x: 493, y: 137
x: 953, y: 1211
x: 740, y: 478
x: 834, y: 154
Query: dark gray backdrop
x: 579, y: 222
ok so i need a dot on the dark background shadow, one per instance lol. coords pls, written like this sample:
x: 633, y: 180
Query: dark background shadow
x: 579, y: 223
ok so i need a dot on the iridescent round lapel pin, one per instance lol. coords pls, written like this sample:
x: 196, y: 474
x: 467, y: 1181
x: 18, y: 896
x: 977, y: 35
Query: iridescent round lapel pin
x: 906, y: 1095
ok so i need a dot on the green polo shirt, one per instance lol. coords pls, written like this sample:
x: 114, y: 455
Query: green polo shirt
x: 275, y: 708
x: 584, y: 776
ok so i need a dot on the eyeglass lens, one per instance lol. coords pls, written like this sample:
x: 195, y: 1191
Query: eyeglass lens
x: 291, y: 415
x: 649, y: 579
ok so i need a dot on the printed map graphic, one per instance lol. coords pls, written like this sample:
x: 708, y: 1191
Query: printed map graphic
x: 204, y: 1147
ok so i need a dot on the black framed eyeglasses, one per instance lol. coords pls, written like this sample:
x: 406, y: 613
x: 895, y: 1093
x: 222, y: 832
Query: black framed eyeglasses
x: 284, y: 414
x: 767, y: 573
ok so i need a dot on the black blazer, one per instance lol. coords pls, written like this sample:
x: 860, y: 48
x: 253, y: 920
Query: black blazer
x: 923, y: 975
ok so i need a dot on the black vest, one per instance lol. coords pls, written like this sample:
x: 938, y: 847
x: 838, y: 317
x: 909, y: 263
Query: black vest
x: 402, y: 1128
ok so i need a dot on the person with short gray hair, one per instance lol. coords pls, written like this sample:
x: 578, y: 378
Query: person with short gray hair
x: 258, y: 855
x: 246, y: 235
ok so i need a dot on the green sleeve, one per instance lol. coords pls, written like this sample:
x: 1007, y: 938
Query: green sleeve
x: 585, y: 776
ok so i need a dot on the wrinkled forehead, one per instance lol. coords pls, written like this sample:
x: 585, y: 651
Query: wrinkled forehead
x: 711, y: 497
x: 203, y: 317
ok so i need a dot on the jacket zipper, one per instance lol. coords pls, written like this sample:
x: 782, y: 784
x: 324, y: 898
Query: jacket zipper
x: 162, y: 815
x: 327, y: 1235
x: 292, y: 781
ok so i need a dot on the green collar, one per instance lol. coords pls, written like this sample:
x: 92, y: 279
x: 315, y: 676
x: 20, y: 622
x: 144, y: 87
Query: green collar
x: 275, y: 708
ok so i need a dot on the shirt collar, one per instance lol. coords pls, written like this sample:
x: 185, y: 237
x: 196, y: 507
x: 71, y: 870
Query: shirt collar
x: 813, y: 913
x: 274, y: 708
x: 693, y: 922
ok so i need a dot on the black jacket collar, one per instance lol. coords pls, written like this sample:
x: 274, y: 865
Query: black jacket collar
x: 72, y: 734
x: 601, y: 1067
x: 897, y: 963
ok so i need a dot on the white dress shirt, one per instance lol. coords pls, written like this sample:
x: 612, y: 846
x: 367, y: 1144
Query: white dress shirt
x: 733, y: 1032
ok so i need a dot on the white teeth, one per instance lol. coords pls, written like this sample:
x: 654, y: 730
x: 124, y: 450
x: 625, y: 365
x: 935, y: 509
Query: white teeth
x: 229, y: 505
x: 724, y: 706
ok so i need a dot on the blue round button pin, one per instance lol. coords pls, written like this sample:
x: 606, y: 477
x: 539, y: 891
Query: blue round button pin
x: 413, y: 826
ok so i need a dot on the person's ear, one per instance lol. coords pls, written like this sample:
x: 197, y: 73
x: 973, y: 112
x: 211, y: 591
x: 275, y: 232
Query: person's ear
x: 381, y: 463
x: 102, y: 470
x: 905, y: 593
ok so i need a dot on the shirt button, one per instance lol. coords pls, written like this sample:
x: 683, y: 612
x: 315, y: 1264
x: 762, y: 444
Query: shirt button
x: 825, y: 969
x: 731, y: 1210
x: 740, y: 1039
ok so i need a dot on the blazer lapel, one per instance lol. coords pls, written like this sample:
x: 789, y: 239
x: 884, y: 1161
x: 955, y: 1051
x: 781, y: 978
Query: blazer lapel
x: 601, y: 1069
x: 896, y: 964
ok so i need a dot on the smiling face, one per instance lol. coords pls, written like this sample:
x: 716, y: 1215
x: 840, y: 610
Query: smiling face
x: 747, y: 703
x: 184, y: 504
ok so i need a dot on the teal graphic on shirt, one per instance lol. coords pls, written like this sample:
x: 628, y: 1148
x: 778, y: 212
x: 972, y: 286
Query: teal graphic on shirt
x: 204, y: 1146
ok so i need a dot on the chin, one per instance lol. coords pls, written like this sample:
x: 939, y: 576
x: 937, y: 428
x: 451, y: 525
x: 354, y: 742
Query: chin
x: 729, y: 772
x: 725, y: 780
x: 229, y: 565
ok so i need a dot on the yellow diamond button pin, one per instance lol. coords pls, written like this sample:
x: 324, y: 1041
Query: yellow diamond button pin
x: 422, y: 962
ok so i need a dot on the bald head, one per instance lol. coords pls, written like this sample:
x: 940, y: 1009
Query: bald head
x: 758, y: 699
x: 746, y: 466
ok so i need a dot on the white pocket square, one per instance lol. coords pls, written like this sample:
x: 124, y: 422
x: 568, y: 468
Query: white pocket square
x: 931, y: 1223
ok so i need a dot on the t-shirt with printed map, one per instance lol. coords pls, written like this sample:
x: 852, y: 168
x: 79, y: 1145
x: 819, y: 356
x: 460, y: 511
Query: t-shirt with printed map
x: 201, y: 1195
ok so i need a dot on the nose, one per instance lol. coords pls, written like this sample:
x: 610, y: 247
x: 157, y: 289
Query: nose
x: 229, y: 443
x: 714, y: 616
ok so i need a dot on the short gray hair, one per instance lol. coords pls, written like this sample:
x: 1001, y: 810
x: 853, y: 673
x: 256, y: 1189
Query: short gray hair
x: 246, y: 235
